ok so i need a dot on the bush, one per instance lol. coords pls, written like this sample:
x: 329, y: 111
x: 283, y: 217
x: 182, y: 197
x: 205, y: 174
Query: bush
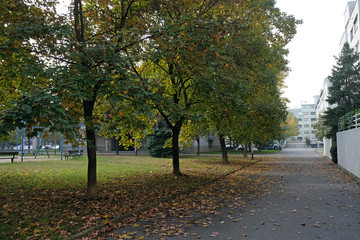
x: 333, y: 152
x: 155, y: 142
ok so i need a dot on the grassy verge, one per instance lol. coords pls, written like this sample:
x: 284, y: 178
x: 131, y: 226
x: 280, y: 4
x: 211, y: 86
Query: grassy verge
x: 46, y: 199
x: 240, y: 152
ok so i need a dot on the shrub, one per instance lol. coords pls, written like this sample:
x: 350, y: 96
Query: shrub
x: 155, y: 142
x: 333, y: 152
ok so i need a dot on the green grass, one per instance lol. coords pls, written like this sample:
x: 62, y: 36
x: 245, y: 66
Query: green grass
x: 46, y: 198
x: 240, y: 152
x: 73, y: 172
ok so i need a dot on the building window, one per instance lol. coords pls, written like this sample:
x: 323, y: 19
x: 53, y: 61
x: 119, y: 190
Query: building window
x: 313, y: 119
x: 306, y: 113
x: 306, y: 125
x: 351, y: 34
x: 306, y: 119
x: 299, y: 126
x: 313, y: 113
x: 306, y: 132
x: 300, y: 119
x: 356, y: 23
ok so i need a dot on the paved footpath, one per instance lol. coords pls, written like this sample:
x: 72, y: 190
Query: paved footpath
x: 311, y: 199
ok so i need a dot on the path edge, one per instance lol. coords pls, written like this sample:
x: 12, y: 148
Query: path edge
x: 353, y: 176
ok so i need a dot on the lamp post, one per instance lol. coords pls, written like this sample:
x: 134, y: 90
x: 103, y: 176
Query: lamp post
x: 22, y: 144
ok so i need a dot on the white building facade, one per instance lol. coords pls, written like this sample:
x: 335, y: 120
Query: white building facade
x: 351, y: 22
x: 322, y: 105
x: 306, y: 116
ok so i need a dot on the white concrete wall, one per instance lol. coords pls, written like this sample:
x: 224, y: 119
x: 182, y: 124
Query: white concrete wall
x: 327, y: 146
x: 348, y: 146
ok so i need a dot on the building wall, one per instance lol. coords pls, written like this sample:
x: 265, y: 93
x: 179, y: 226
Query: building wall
x: 206, y: 145
x: 351, y: 18
x: 327, y: 146
x: 322, y: 104
x: 348, y: 146
x: 104, y: 145
x: 306, y: 116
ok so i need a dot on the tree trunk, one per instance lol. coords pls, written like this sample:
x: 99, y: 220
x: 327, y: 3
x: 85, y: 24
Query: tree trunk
x: 175, y: 146
x: 224, y: 155
x: 245, y: 150
x: 198, y: 145
x: 91, y: 148
x: 29, y: 145
x: 117, y: 146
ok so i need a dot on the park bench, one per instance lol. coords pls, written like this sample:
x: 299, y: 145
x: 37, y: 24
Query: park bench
x: 8, y: 155
x: 74, y: 153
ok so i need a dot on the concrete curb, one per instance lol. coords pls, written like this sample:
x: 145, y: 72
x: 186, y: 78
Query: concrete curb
x: 143, y: 209
x: 355, y: 178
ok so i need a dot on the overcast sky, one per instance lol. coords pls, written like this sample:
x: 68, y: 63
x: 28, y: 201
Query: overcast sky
x: 313, y: 49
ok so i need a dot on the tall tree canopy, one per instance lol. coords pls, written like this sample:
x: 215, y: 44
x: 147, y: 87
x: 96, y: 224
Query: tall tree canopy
x: 111, y: 62
x: 78, y: 61
x: 344, y: 91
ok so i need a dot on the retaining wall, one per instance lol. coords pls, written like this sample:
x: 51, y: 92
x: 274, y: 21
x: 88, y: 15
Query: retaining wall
x: 348, y: 147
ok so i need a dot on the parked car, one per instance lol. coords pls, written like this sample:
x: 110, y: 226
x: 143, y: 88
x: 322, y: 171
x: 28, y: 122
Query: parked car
x: 240, y: 147
x: 26, y: 147
x: 275, y: 145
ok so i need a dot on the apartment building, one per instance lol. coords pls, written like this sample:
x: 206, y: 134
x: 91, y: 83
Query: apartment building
x: 306, y: 116
x: 322, y: 105
x: 351, y: 33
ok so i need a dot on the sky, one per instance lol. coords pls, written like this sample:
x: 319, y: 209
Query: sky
x: 312, y: 51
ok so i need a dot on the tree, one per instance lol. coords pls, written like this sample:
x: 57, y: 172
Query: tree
x: 177, y: 58
x: 210, y: 50
x: 290, y: 126
x: 321, y: 128
x: 259, y: 61
x: 344, y: 92
x: 80, y: 59
x: 156, y: 141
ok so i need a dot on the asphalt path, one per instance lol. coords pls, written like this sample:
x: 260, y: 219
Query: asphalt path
x: 311, y: 199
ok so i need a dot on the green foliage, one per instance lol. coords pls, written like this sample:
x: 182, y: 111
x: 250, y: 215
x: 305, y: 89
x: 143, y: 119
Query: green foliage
x: 321, y: 128
x: 290, y: 126
x: 155, y: 143
x: 344, y: 90
x: 347, y: 121
x: 333, y: 153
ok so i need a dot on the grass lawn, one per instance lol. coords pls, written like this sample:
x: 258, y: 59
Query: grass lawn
x: 240, y: 152
x: 46, y: 199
